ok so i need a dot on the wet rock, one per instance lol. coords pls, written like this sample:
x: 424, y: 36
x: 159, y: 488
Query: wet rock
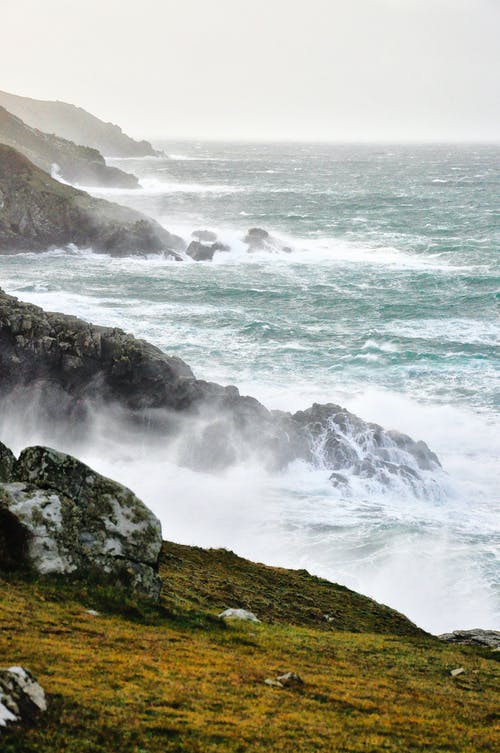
x: 238, y: 614
x: 205, y: 236
x: 70, y: 520
x: 22, y: 699
x: 257, y: 238
x: 200, y: 251
x: 475, y: 637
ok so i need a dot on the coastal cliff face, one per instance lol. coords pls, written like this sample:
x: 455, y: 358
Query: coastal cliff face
x: 75, y: 164
x: 75, y: 369
x: 38, y: 213
x: 75, y: 124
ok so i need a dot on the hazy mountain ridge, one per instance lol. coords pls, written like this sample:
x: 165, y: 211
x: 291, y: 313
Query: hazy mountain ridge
x: 75, y: 164
x: 75, y: 124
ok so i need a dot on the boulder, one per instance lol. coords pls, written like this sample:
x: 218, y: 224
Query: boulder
x: 22, y: 699
x: 257, y: 238
x: 475, y: 637
x: 65, y: 518
x: 200, y: 251
x: 238, y: 614
x: 38, y: 213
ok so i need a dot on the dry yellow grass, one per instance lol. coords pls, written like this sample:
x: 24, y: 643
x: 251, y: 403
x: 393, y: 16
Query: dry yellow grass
x: 136, y: 679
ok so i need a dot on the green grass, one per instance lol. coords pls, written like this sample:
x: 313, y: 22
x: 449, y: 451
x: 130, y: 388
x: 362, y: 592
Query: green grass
x: 145, y: 679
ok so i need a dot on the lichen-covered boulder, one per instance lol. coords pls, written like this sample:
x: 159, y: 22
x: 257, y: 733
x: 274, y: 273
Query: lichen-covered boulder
x: 7, y: 460
x: 21, y: 697
x: 69, y: 519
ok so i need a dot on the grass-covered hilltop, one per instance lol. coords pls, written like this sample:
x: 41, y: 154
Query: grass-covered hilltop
x: 124, y: 675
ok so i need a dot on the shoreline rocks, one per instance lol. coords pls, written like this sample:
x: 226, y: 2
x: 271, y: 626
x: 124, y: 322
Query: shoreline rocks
x: 38, y: 213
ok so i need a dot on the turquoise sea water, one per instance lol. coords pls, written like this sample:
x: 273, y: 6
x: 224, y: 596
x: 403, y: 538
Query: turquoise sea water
x: 387, y: 304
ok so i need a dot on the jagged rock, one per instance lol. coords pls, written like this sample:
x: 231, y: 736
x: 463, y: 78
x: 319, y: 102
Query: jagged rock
x: 200, y: 251
x: 205, y: 236
x: 72, y: 368
x: 63, y: 517
x: 7, y: 460
x: 77, y: 125
x: 73, y: 163
x: 238, y: 614
x: 256, y: 238
x: 475, y: 637
x: 38, y: 213
x: 21, y: 697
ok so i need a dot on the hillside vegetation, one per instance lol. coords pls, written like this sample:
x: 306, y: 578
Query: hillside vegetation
x: 136, y: 678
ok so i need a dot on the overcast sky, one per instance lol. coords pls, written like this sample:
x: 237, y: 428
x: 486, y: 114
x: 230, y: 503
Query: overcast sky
x: 277, y: 69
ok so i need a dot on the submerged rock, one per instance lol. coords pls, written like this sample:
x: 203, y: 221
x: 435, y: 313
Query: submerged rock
x: 22, y: 699
x: 64, y: 518
x: 38, y: 213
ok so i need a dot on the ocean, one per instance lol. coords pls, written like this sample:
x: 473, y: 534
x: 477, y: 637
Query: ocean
x: 379, y: 290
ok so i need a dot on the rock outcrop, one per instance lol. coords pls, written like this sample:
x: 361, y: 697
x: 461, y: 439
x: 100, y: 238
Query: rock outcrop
x: 74, y: 164
x: 38, y: 213
x: 22, y: 699
x: 57, y: 515
x: 475, y: 637
x: 77, y: 125
x: 72, y: 368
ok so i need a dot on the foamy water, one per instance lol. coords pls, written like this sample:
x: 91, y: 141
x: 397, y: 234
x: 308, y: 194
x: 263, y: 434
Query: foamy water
x: 385, y: 305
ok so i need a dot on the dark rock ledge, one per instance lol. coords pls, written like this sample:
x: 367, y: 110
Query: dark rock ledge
x: 70, y: 369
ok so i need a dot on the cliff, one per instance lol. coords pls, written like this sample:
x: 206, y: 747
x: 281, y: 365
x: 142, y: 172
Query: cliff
x: 38, y: 213
x: 75, y: 164
x: 75, y: 124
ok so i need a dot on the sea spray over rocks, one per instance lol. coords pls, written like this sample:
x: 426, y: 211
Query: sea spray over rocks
x: 75, y: 369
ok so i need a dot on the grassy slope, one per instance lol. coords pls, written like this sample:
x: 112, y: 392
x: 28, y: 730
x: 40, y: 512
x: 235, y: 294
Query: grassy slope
x: 137, y: 679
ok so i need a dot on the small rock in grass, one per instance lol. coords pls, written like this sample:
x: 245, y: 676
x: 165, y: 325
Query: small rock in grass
x: 457, y: 671
x: 21, y: 697
x: 238, y: 614
x: 93, y: 612
x: 290, y: 679
x: 273, y: 683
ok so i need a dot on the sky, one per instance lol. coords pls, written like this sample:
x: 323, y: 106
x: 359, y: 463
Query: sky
x: 326, y: 70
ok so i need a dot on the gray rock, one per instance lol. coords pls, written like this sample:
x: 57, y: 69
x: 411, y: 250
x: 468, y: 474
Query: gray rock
x: 22, y: 699
x: 69, y: 519
x: 290, y: 679
x: 7, y: 460
x: 200, y: 251
x: 475, y: 637
x: 257, y: 238
x: 38, y: 213
x: 456, y: 672
x: 238, y: 614
x: 71, y: 369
